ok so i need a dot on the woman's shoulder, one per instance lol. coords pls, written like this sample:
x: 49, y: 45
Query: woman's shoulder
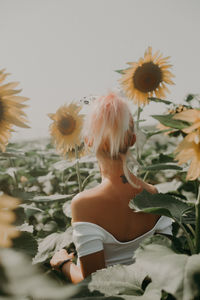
x: 84, y: 205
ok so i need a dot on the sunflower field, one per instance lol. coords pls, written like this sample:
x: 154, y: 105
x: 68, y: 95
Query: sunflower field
x: 38, y: 180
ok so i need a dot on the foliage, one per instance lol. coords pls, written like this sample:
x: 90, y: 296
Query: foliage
x: 155, y: 256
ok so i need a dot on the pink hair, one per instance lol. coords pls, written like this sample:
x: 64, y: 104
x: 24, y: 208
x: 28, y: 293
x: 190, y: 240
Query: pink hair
x: 109, y: 127
x: 107, y: 124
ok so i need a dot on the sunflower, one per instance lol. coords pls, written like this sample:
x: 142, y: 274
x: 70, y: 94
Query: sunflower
x: 191, y: 116
x: 147, y: 77
x: 66, y: 128
x: 7, y: 217
x: 11, y: 112
x: 189, y: 150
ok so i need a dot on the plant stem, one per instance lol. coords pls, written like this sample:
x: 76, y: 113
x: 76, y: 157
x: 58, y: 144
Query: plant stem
x: 189, y: 240
x: 14, y: 173
x: 197, y: 228
x: 78, y: 169
x: 63, y: 180
x: 145, y: 176
x: 191, y: 229
x: 137, y: 131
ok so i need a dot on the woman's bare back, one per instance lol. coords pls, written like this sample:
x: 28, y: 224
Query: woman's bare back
x: 107, y: 205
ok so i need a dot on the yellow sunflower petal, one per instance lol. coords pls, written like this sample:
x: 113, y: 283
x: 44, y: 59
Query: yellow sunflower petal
x: 8, y: 86
x: 189, y: 151
x: 66, y: 128
x: 190, y: 115
x: 191, y: 128
x: 7, y: 216
x: 147, y: 77
x: 7, y: 201
x: 11, y: 112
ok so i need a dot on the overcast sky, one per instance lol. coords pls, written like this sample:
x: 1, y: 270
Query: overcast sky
x: 63, y: 50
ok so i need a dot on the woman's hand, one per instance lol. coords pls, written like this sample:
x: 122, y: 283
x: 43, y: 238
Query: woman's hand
x: 59, y: 257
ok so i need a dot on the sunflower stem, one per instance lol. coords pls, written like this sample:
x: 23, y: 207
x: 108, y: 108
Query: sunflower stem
x: 189, y: 240
x: 78, y: 169
x: 191, y: 230
x: 197, y: 227
x: 14, y: 173
x: 137, y: 132
x: 145, y: 176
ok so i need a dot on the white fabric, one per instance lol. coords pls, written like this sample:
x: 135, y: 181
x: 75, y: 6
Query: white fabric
x: 90, y: 238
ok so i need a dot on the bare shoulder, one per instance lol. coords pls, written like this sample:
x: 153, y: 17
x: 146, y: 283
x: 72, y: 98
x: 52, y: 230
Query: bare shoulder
x: 82, y: 207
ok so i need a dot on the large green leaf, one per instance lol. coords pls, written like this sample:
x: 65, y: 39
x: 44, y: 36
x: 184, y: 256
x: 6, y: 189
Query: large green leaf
x: 117, y: 280
x: 163, y: 204
x: 125, y: 281
x: 87, y: 294
x: 174, y: 273
x: 24, y: 281
x: 53, y: 243
x: 168, y: 121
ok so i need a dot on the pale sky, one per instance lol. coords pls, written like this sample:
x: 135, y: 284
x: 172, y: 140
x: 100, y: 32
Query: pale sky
x: 63, y: 50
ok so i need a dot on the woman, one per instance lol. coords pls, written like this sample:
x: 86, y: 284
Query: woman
x: 105, y: 230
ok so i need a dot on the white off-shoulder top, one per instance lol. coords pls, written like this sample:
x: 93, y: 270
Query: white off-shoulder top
x: 90, y: 238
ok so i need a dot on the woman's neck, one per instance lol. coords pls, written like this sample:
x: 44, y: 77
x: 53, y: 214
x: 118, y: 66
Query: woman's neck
x: 112, y: 170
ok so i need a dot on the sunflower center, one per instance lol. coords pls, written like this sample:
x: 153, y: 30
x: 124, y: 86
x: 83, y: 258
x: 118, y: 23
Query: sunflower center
x: 1, y: 110
x: 147, y: 77
x: 67, y: 125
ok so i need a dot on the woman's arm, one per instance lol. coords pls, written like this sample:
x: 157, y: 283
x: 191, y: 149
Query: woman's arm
x: 69, y: 269
x: 88, y: 264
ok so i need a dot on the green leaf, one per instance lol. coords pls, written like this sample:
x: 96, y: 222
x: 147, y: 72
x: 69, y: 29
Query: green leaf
x: 162, y: 204
x: 163, y: 158
x: 152, y: 133
x: 86, y: 294
x: 169, y: 122
x: 120, y: 71
x: 190, y: 97
x: 64, y: 165
x: 25, y: 281
x: 158, y: 100
x: 67, y: 209
x: 125, y: 281
x: 26, y: 243
x: 117, y: 280
x: 53, y: 243
x: 26, y: 227
x: 30, y: 209
x: 174, y: 273
x: 51, y: 198
x: 14, y: 154
x: 156, y: 167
